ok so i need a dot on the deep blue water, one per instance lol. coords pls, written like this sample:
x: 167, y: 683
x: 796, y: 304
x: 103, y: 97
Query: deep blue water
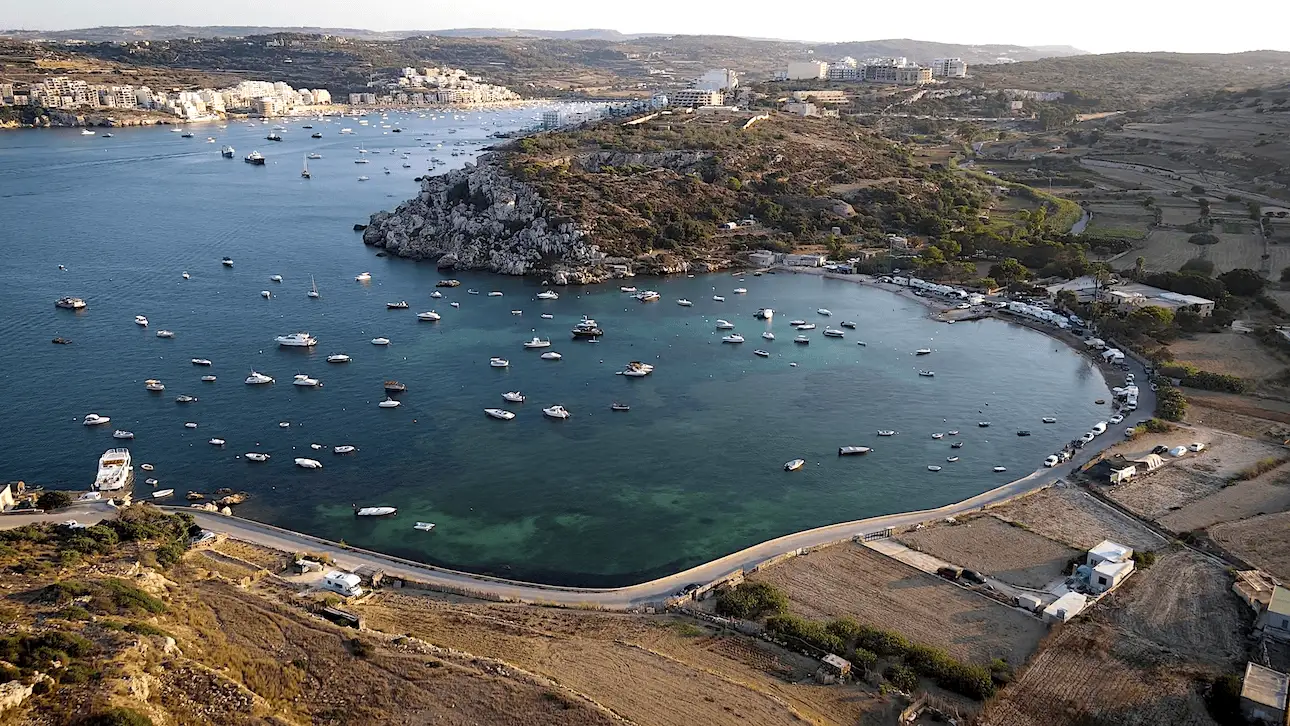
x: 692, y: 472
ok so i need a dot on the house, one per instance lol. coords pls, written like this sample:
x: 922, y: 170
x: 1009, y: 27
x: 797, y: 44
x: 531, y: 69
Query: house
x: 9, y: 493
x: 344, y: 583
x: 1263, y: 694
x: 804, y: 260
x: 1254, y: 587
x: 832, y: 669
x: 1065, y: 607
x: 1275, y: 621
x: 762, y: 258
x: 1108, y: 551
x: 1108, y: 575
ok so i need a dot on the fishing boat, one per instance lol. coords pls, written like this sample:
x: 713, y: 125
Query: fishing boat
x: 956, y: 445
x: 619, y: 407
x: 499, y: 413
x: 273, y: 136
x: 216, y: 442
x: 376, y: 512
x: 548, y: 295
x: 684, y: 303
x: 764, y: 314
x: 938, y: 436
x: 832, y: 333
x: 794, y: 465
x: 185, y: 399
x: 1049, y: 420
x: 805, y: 326
x: 853, y: 450
x: 122, y: 434
x: 1000, y: 469
x: 824, y: 311
x: 718, y: 298
x: 927, y: 374
x: 556, y: 411
x: 254, y: 158
x: 338, y: 358
x: 741, y: 291
x: 768, y: 335
x: 154, y: 385
x: 70, y: 303
x: 400, y: 305
x: 395, y: 387
x: 304, y: 463
x: 227, y: 261
x: 1023, y: 432
x: 227, y: 152
x: 951, y: 459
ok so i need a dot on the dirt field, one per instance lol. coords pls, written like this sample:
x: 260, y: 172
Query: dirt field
x: 1236, y: 354
x: 995, y: 548
x: 1262, y: 541
x: 1073, y: 517
x: 850, y: 580
x: 1166, y: 250
x: 1265, y: 494
x: 1120, y: 216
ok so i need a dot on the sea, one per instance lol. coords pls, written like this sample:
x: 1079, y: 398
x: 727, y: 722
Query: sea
x: 694, y: 470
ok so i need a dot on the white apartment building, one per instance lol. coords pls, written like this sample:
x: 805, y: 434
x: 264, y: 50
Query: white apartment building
x: 692, y: 97
x: 718, y: 79
x: 806, y: 70
x: 949, y: 68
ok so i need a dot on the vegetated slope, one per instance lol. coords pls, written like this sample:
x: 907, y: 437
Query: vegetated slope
x: 31, y: 63
x: 1136, y: 80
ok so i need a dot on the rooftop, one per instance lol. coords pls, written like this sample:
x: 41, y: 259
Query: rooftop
x: 836, y: 662
x: 345, y: 577
x: 1071, y: 602
x: 1265, y: 686
x: 1108, y: 550
x: 1280, y: 603
x: 1113, y: 569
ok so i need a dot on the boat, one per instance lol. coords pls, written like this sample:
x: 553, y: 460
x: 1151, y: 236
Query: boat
x: 684, y: 303
x: 802, y: 340
x: 725, y: 325
x: 190, y: 425
x: 255, y: 456
x: 953, y: 433
x: 389, y: 403
x: 186, y: 275
x: 636, y: 369
x: 499, y: 413
x: 514, y: 396
x: 794, y: 465
x: 619, y: 407
x: 718, y: 298
x: 496, y: 362
x: 394, y: 386
x: 107, y: 135
x: 933, y: 467
x: 761, y: 353
x: 853, y: 450
x: 151, y: 482
x: 448, y: 283
x: 216, y: 442
x: 375, y: 512
x: 266, y: 294
x: 154, y: 385
x: 93, y: 419
x: 305, y: 381
x: 848, y: 325
x: 363, y: 277
x: 304, y: 463
x: 587, y: 329
x: 824, y: 311
x: 732, y: 338
x: 338, y: 358
x: 227, y: 261
x: 1049, y: 420
x: 741, y: 290
x: 165, y: 334
x: 61, y: 341
x: 548, y: 316
x: 185, y: 399
x: 314, y: 155
x: 254, y: 158
x: 455, y: 304
x: 273, y: 136
x: 927, y: 374
x: 938, y: 436
x: 951, y: 459
x: 400, y: 305
x: 795, y: 323
x: 538, y: 343
x: 768, y: 335
x: 648, y: 296
x: 186, y: 134
x: 316, y: 135
x: 344, y: 449
x: 495, y: 293
x: 551, y: 355
x: 86, y: 132
x: 832, y: 333
x: 1000, y: 469
x: 141, y: 320
x: 923, y: 351
x: 70, y: 303
x: 380, y: 341
x: 258, y: 378
x: 805, y: 326
x: 363, y: 178
x: 764, y: 314
x: 436, y: 294
x: 886, y: 433
x: 556, y: 411
x: 200, y: 361
x: 956, y: 445
x: 983, y: 424
x: 1023, y: 432
x: 227, y: 152
x: 122, y: 434
x: 316, y: 447
x: 163, y: 493
x: 423, y: 526
x: 626, y: 289
x: 548, y: 295
x: 304, y: 173
x: 114, y: 471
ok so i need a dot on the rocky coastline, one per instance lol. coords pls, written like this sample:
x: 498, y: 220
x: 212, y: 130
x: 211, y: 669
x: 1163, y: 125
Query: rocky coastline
x: 63, y: 119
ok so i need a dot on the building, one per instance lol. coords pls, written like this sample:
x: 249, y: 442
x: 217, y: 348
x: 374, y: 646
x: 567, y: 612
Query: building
x: 798, y: 108
x: 343, y: 583
x: 1120, y: 470
x: 551, y: 120
x: 804, y: 260
x: 1108, y: 575
x: 806, y: 71
x: 658, y: 101
x: 1263, y: 694
x: 832, y: 669
x: 913, y: 75
x: 761, y: 258
x: 1254, y: 587
x: 692, y: 97
x: 820, y: 96
x: 1275, y: 621
x: 1065, y: 607
x: 1107, y: 551
x: 949, y: 68
x: 9, y: 493
x: 719, y: 79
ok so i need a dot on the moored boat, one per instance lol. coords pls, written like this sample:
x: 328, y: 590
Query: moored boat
x: 732, y: 338
x: 832, y: 333
x: 154, y: 385
x: 296, y: 340
x: 376, y: 512
x: 764, y: 314
x: 496, y: 362
x: 114, y: 472
x: 499, y: 413
x: 389, y: 403
x: 538, y: 343
x: 344, y: 449
x: 684, y: 303
x: 853, y: 450
x: 394, y: 387
x: 400, y: 305
x: 551, y: 355
x: 70, y: 303
x: 794, y: 465
x: 304, y: 463
x: 255, y: 456
x: 200, y: 361
x: 548, y: 295
x: 257, y: 378
x: 556, y: 411
x: 761, y: 353
x: 338, y: 358
x: 122, y: 434
x: 380, y: 341
x: 513, y: 396
x: 93, y: 419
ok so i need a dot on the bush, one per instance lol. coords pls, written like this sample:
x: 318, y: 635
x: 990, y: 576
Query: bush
x: 901, y: 677
x: 750, y: 600
x: 1171, y: 405
x: 864, y: 660
x: 116, y: 716
x: 74, y: 612
x: 1143, y: 560
x: 360, y: 648
x: 1156, y: 426
x: 972, y: 681
x: 170, y: 553
x: 1243, y: 281
x: 78, y: 673
x: 51, y: 501
x: 812, y: 633
x: 1262, y: 466
x: 1203, y: 238
x: 883, y: 642
x: 146, y: 629
x: 127, y: 596
x: 1200, y: 266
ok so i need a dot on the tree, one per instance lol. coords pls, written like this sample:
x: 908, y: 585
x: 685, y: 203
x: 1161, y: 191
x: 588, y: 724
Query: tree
x: 1009, y: 271
x: 1139, y: 266
x: 1243, y: 281
x: 1202, y: 266
x: 1203, y: 238
x: 1067, y: 299
x: 50, y: 501
x: 1153, y: 321
x: 864, y: 660
x: 751, y: 600
x: 932, y: 256
x: 901, y: 677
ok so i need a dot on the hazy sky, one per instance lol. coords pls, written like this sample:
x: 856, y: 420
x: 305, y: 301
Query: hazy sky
x: 1096, y: 25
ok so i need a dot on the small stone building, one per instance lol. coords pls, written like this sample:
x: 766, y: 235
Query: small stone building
x: 832, y: 669
x: 1275, y: 620
x: 1263, y: 694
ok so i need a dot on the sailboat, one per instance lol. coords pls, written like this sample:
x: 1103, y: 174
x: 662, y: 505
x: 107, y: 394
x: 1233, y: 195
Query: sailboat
x: 313, y: 287
x: 305, y: 172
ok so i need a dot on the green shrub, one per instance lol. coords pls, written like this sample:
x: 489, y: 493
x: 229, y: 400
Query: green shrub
x: 750, y: 600
x: 970, y: 680
x: 50, y: 501
x: 901, y: 677
x: 360, y: 648
x: 78, y: 673
x: 883, y: 642
x: 128, y: 597
x: 1262, y: 466
x: 1171, y: 405
x: 864, y: 660
x: 813, y: 633
x: 9, y: 673
x: 115, y: 716
x: 74, y: 612
x: 170, y: 553
x: 1143, y: 560
x: 139, y: 628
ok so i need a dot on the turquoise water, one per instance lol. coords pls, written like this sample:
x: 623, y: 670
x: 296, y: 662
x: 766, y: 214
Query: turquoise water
x: 692, y: 472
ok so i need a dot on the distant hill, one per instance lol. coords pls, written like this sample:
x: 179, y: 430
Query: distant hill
x: 924, y: 51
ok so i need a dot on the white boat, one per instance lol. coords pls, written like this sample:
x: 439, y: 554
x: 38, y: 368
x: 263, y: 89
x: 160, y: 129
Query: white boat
x: 266, y: 294
x: 216, y: 442
x: 363, y: 277
x: 938, y: 436
x: 185, y: 399
x: 927, y: 374
x: 636, y: 369
x: 388, y: 403
x: 163, y: 493
x: 951, y: 459
x: 806, y: 326
x: 548, y: 295
x: 313, y: 288
x: 208, y: 379
x: 428, y: 315
x: 548, y: 316
x: 725, y: 325
x: 886, y: 433
x: 768, y: 335
x: 833, y: 333
x: 732, y: 338
x: 140, y: 320
x: 538, y: 343
x: 344, y: 449
x: 824, y: 311
x: 761, y: 353
x: 122, y: 434
x: 375, y: 511
x: 296, y: 340
x: 400, y: 305
x: 93, y: 419
x: 648, y: 296
x: 423, y: 526
x: 165, y: 334
x: 853, y: 450
x: 796, y: 323
x: 923, y: 351
x: 499, y: 413
x: 147, y: 467
x: 684, y: 303
x: 933, y: 467
x: 472, y: 292
x: 190, y: 425
x: 86, y: 132
x: 304, y: 463
x: 551, y: 355
x: 455, y: 304
x: 304, y: 380
x: 498, y: 362
x: 275, y: 278
x: 802, y: 340
x: 494, y: 293
x: 794, y: 465
x: 1000, y: 469
x: 718, y: 298
x: 200, y: 361
x: 556, y: 411
x: 114, y: 471
x: 338, y: 358
x: 1049, y: 420
x: 513, y: 396
x: 764, y: 314
x: 626, y: 289
x: 741, y: 291
x: 256, y: 379
x: 380, y: 341
x: 255, y: 456
x: 186, y: 276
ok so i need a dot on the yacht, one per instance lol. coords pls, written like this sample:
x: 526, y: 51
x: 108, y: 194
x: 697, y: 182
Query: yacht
x: 762, y: 353
x: 344, y: 449
x: 313, y: 288
x: 887, y: 432
x: 923, y: 351
x: 983, y: 424
x: 93, y: 419
x: 275, y: 278
x: 648, y: 296
x: 227, y: 152
x: 273, y: 136
x: 833, y: 333
x: 684, y: 303
x: 186, y: 276
x: 208, y: 379
x: 389, y: 403
x: 626, y: 289
x: 802, y: 339
x: 380, y: 341
x: 764, y: 314
x: 375, y: 511
x: 806, y: 326
x: 454, y: 304
x: 718, y: 298
x: 363, y: 277
x: 551, y: 355
x: 216, y: 442
x: 436, y: 294
x: 498, y: 362
x: 499, y: 413
x: 304, y: 173
x: 227, y: 262
x: 338, y: 358
x: 185, y: 399
x: 429, y: 315
x: 190, y: 425
x: 122, y: 434
x: 302, y: 379
x: 556, y: 411
x: 1000, y: 469
x: 853, y: 450
x: 316, y: 135
x: 513, y: 396
x: 794, y: 465
x: 741, y: 291
x: 201, y: 361
x: 538, y: 343
x: 548, y: 316
x: 154, y: 385
x: 304, y: 463
x: 400, y: 305
x: 362, y: 178
x: 423, y: 526
x: 548, y: 295
x: 636, y: 369
x: 927, y: 374
x: 257, y: 379
x: 495, y: 293
x: 824, y: 311
x: 296, y: 340
x: 938, y: 436
x: 165, y: 334
x: 733, y: 338
x: 140, y: 320
x: 587, y: 329
x: 254, y: 158
x: 70, y: 303
x: 255, y: 456
x: 114, y: 472
x: 768, y: 335
x: 725, y: 324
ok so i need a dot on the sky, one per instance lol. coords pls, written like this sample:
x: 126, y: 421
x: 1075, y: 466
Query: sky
x: 1100, y: 26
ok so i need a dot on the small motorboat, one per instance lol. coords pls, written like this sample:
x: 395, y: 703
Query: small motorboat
x: 498, y: 362
x: 151, y: 482
x: 718, y: 298
x: 513, y: 396
x: 923, y: 351
x: 824, y: 311
x: 141, y: 320
x: 376, y: 512
x: 338, y: 358
x: 227, y: 261
x: 258, y: 379
x: 165, y: 334
x: 761, y: 353
x: 794, y: 465
x: 275, y: 278
x: 983, y: 424
x: 448, y: 283
x: 389, y: 403
x: 436, y: 294
x: 764, y: 314
x: 886, y: 432
x: 853, y: 450
x: 626, y: 289
x: 147, y: 467
x: 400, y: 305
x: 848, y: 324
x: 423, y: 526
x: 938, y: 436
x: 185, y: 399
x: 1000, y: 469
x: 956, y: 445
x: 951, y: 459
x: 255, y: 456
x: 216, y: 442
x: 201, y: 361
x: 548, y: 316
x: 395, y: 387
x: 499, y: 413
x: 363, y: 277
x: 927, y: 374
x: 684, y: 303
x: 316, y: 447
x: 190, y: 425
x: 344, y: 449
x: 455, y: 304
x: 725, y: 325
x: 93, y: 419
x: 495, y: 293
x: 305, y: 381
x: 472, y: 292
x: 266, y: 294
x: 953, y: 433
x: 732, y: 338
x: 154, y: 385
x: 1023, y: 432
x: 548, y: 295
x: 802, y: 340
x: 795, y: 323
x: 304, y: 463
x: 538, y: 343
x: 933, y: 467
x: 1049, y: 420
x: 121, y: 434
x: 741, y: 291
x: 186, y: 276
x: 551, y: 355
x: 833, y: 333
x: 162, y: 493
x: 619, y: 407
x: 805, y: 326
x: 62, y: 341
x: 380, y: 341
x: 768, y: 335
x: 556, y: 411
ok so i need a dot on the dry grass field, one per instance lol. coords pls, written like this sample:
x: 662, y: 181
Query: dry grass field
x: 1120, y: 217
x: 996, y: 548
x: 1263, y: 541
x: 1263, y: 494
x: 1236, y: 354
x: 850, y: 580
x: 1072, y: 516
x: 1166, y: 250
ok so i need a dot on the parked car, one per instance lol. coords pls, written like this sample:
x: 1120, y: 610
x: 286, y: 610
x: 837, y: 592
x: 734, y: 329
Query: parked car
x: 949, y: 572
x: 974, y: 577
x: 1117, y: 418
x: 1160, y: 450
x: 1196, y: 447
